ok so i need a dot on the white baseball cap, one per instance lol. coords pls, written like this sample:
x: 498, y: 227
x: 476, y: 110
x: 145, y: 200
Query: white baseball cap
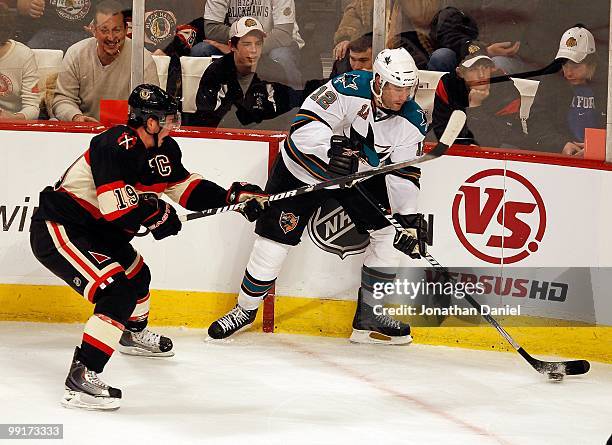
x: 576, y: 43
x: 245, y: 25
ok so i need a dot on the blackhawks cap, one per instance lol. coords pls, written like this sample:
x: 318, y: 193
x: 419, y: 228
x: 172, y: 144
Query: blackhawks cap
x: 245, y: 25
x: 472, y: 51
x: 576, y: 43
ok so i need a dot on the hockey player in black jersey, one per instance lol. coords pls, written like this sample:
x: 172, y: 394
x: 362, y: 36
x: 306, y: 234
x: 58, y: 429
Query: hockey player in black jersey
x: 85, y: 222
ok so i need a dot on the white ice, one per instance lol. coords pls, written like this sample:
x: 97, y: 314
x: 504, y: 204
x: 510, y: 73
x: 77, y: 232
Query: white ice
x: 284, y: 389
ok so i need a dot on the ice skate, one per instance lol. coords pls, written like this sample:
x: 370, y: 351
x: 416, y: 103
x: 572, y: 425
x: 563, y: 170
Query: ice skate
x: 378, y: 329
x: 236, y: 320
x: 85, y: 390
x: 145, y: 343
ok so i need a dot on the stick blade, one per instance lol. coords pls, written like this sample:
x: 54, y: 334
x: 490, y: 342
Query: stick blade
x: 453, y: 128
x: 570, y: 367
x: 577, y: 367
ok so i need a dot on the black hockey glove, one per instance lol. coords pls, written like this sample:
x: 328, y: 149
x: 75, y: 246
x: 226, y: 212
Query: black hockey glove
x: 256, y: 201
x: 163, y: 220
x: 414, y: 238
x: 343, y: 156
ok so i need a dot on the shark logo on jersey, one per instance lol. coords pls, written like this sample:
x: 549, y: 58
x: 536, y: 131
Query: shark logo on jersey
x: 367, y: 151
x: 331, y: 229
x: 288, y: 222
x: 348, y: 80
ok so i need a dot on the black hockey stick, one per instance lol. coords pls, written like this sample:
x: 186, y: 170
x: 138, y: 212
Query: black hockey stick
x: 454, y: 126
x: 551, y: 68
x: 554, y: 370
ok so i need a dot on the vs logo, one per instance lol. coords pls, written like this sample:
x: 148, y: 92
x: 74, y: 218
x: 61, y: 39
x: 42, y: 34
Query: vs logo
x: 489, y: 220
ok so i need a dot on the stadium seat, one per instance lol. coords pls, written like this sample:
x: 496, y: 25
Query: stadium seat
x: 162, y: 63
x: 49, y: 63
x: 192, y: 69
x: 528, y: 89
x: 428, y: 82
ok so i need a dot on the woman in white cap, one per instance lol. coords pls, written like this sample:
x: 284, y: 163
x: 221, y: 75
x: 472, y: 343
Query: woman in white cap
x: 570, y: 101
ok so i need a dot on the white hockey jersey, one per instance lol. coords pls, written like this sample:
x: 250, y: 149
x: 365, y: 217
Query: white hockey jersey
x: 344, y: 106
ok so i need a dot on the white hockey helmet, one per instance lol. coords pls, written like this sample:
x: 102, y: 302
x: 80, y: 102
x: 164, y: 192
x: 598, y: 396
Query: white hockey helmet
x: 397, y: 67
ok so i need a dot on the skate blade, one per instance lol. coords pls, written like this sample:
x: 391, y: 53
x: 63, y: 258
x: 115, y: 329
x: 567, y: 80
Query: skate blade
x: 76, y: 399
x: 227, y: 339
x: 140, y: 352
x: 373, y: 337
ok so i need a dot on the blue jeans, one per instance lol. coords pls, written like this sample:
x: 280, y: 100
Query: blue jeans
x: 443, y: 59
x: 204, y: 49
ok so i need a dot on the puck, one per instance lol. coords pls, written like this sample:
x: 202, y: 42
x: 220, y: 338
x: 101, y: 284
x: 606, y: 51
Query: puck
x: 555, y: 376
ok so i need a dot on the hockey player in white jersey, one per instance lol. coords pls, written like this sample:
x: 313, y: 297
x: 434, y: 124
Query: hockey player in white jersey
x: 356, y: 121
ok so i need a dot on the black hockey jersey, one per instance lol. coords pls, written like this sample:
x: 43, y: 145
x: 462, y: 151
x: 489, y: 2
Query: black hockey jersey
x: 105, y: 186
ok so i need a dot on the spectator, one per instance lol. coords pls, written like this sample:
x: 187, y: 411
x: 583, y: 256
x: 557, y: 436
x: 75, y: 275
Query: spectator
x: 518, y: 32
x: 356, y: 22
x: 570, y: 101
x: 523, y: 30
x: 283, y: 40
x: 492, y: 109
x: 98, y: 68
x: 450, y: 29
x: 408, y: 27
x: 234, y: 80
x: 359, y: 57
x: 54, y: 24
x: 19, y: 98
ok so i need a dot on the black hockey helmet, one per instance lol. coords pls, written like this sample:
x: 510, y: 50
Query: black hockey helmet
x: 149, y: 100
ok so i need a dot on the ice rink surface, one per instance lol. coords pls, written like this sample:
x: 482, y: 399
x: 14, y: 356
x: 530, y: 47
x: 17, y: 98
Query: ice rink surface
x: 285, y: 389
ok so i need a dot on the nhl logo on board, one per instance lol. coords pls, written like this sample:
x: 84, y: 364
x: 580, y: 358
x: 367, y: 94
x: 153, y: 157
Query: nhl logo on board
x: 332, y: 230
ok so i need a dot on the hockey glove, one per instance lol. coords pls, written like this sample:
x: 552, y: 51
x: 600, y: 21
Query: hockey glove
x: 163, y: 221
x: 413, y: 239
x: 256, y: 201
x: 343, y: 157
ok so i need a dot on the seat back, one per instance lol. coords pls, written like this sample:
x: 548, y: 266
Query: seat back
x: 428, y: 82
x: 162, y: 63
x: 49, y: 63
x: 192, y: 69
x: 528, y: 89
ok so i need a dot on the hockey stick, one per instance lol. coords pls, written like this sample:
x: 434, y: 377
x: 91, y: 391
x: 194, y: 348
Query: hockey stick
x: 554, y: 370
x: 551, y: 68
x: 454, y: 126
